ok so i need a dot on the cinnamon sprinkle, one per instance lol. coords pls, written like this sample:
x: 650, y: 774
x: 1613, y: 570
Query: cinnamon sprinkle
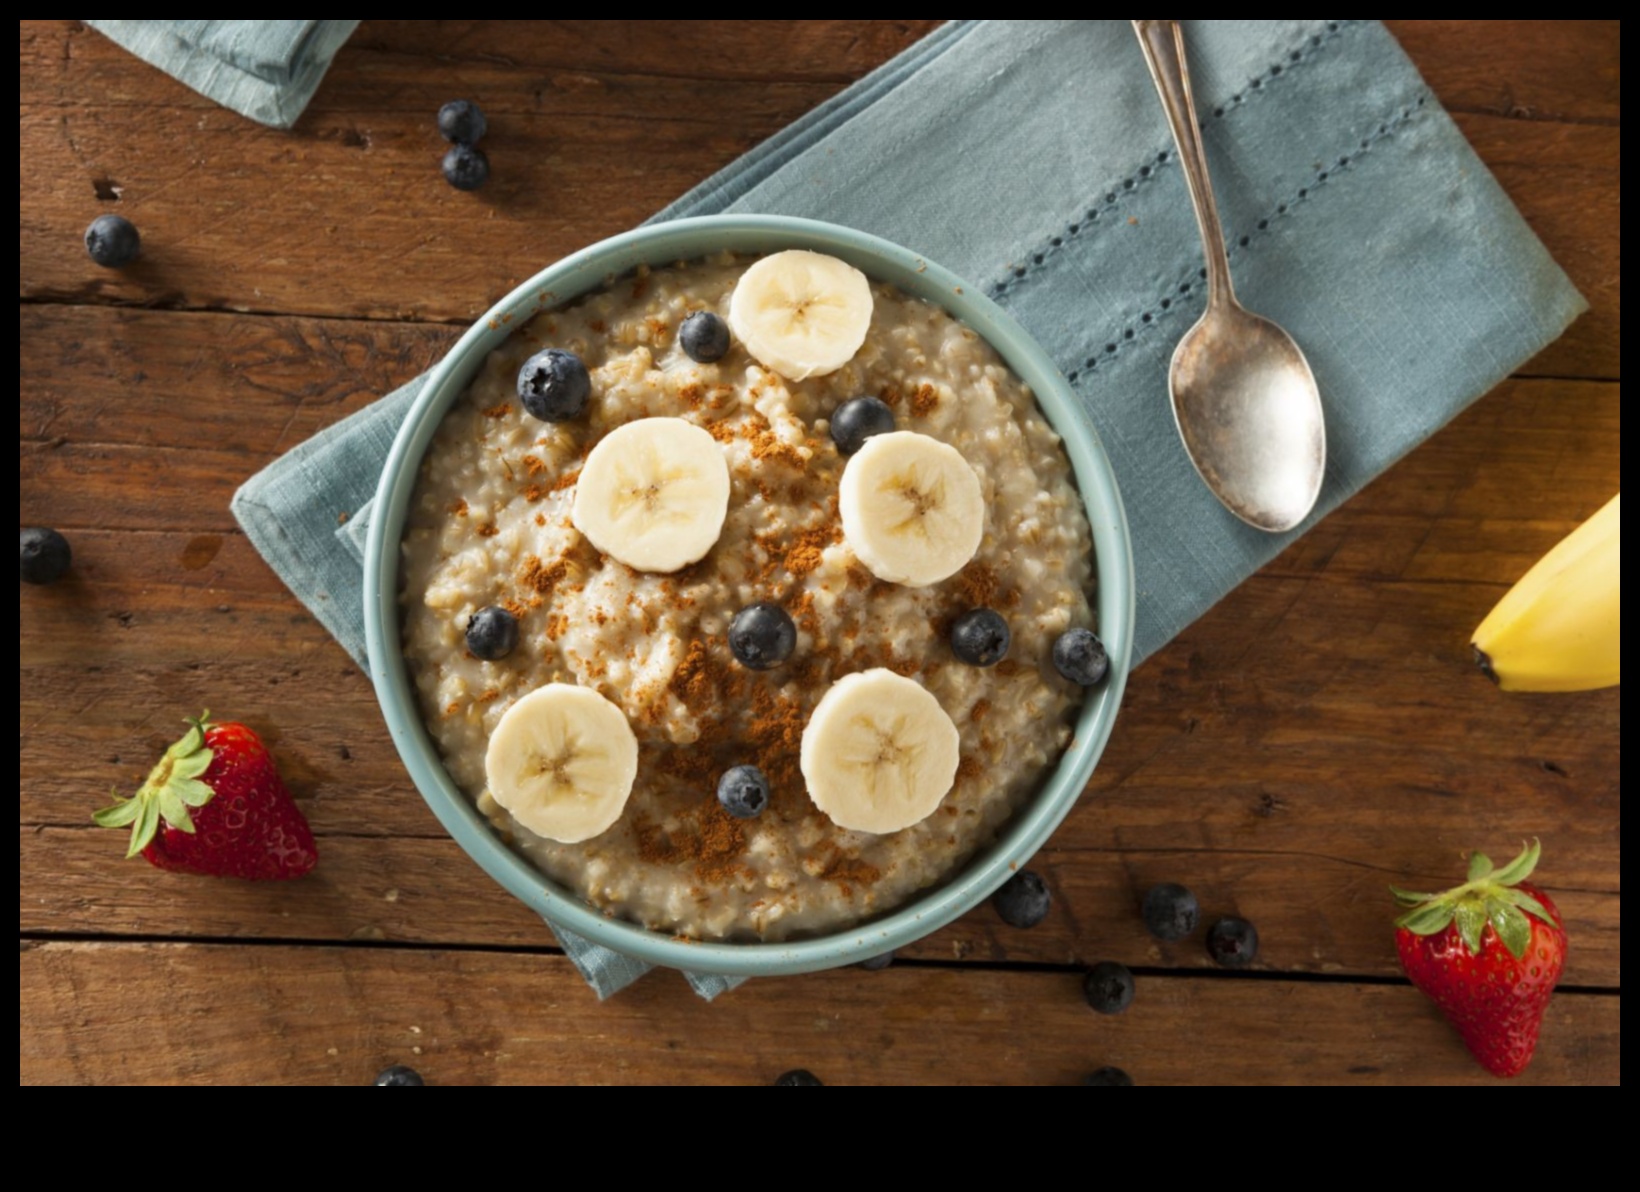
x: 488, y: 530
x: 924, y: 400
x: 500, y: 411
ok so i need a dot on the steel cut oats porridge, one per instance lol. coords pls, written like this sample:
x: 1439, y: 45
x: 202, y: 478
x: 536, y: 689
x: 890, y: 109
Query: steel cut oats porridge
x: 490, y: 525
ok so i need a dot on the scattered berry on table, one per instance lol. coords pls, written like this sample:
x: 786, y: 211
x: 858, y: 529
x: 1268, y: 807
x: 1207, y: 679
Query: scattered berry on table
x: 1233, y: 942
x: 877, y: 963
x: 215, y: 805
x: 856, y: 421
x: 466, y: 167
x: 762, y: 636
x: 43, y: 556
x: 798, y: 1076
x: 980, y: 637
x: 1108, y: 1076
x: 704, y: 337
x: 492, y: 633
x: 743, y: 791
x: 1108, y: 987
x: 462, y: 122
x: 554, y: 385
x: 1171, y: 912
x: 398, y: 1074
x: 112, y: 241
x: 1488, y: 953
x: 1080, y: 656
x: 1023, y: 900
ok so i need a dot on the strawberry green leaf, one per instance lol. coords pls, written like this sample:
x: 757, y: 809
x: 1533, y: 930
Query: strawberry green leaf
x: 192, y: 791
x: 123, y: 812
x: 1528, y: 904
x: 1512, y: 926
x: 1521, y: 867
x: 1471, y: 919
x: 192, y: 765
x: 1479, y: 866
x: 142, y: 831
x: 1410, y: 897
x: 1429, y: 919
x: 174, y: 810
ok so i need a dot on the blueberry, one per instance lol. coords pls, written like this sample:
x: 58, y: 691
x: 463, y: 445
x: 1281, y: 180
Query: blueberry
x: 398, y: 1074
x: 704, y: 337
x: 980, y: 637
x: 462, y: 121
x: 1233, y: 942
x: 743, y: 791
x: 762, y: 636
x: 1108, y: 987
x: 1108, y: 1076
x: 42, y: 556
x: 492, y: 633
x: 554, y: 385
x: 112, y: 241
x: 855, y: 421
x: 1023, y: 900
x: 798, y: 1076
x: 1171, y: 912
x: 877, y: 963
x: 466, y: 167
x: 1080, y: 657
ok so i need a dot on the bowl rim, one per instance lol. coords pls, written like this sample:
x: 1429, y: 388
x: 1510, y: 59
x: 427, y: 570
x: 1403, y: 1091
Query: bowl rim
x: 688, y: 239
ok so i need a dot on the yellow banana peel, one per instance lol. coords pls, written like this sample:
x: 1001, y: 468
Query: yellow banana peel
x: 1559, y: 628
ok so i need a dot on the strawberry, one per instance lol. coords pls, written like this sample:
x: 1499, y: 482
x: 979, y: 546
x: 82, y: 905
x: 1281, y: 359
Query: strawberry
x: 216, y: 805
x: 1488, y: 953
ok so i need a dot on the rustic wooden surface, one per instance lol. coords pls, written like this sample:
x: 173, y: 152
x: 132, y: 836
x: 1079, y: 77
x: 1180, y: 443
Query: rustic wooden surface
x: 1317, y: 735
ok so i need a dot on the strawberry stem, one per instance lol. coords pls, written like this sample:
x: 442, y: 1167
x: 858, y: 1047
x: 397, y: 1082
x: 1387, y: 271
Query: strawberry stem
x: 1488, y: 898
x: 174, y: 785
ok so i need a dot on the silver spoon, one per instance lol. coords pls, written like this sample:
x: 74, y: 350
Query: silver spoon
x: 1243, y: 394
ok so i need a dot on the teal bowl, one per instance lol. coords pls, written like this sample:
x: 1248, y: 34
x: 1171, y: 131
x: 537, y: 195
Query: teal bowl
x: 685, y: 239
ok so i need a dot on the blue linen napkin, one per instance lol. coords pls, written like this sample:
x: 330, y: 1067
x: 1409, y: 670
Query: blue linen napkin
x: 267, y: 70
x: 1033, y: 158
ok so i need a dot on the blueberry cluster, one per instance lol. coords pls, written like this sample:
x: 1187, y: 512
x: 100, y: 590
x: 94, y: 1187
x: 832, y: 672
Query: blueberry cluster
x: 462, y: 123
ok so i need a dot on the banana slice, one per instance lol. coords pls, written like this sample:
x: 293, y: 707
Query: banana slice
x: 562, y: 761
x: 802, y: 314
x: 912, y: 508
x: 879, y: 753
x: 653, y: 494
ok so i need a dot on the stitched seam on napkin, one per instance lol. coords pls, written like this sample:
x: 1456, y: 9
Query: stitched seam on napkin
x: 1387, y: 131
x: 1149, y: 171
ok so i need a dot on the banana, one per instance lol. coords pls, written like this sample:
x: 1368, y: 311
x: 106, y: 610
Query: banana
x: 878, y: 753
x: 802, y: 314
x: 562, y: 761
x: 653, y: 494
x: 1560, y: 628
x: 912, y: 508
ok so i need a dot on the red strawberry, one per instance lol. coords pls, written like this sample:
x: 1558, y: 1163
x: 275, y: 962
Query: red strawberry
x: 216, y: 805
x: 1489, y: 953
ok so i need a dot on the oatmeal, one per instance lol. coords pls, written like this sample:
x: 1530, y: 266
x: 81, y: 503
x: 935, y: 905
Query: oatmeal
x: 491, y: 525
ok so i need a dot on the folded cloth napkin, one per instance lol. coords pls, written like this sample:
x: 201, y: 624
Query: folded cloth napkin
x: 1033, y: 158
x: 267, y: 70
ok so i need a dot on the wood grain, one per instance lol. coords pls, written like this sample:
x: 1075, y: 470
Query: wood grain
x: 339, y: 1015
x: 605, y: 132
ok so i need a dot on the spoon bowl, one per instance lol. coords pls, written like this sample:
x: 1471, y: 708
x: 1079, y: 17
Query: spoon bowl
x: 1244, y: 397
x: 1250, y: 416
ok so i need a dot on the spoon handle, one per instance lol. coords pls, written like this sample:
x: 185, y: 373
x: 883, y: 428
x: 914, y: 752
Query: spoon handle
x: 1163, y: 44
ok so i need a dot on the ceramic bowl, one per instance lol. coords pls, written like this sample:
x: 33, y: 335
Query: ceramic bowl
x: 683, y: 240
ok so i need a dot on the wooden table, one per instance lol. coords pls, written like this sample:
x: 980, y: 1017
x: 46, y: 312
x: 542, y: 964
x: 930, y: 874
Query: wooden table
x: 1319, y: 734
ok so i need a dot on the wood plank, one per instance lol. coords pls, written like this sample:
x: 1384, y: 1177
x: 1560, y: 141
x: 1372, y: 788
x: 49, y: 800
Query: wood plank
x: 1568, y: 71
x: 275, y: 1015
x: 1248, y: 761
x: 581, y: 154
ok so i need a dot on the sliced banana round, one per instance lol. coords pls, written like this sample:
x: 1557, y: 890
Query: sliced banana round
x: 802, y: 314
x: 879, y: 753
x: 653, y: 494
x: 562, y: 761
x: 912, y: 508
